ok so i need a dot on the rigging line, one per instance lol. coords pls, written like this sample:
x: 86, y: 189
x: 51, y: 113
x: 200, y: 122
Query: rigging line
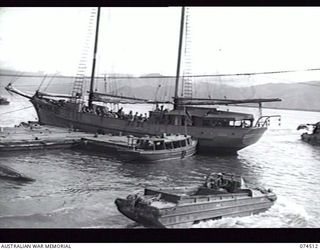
x: 199, y: 75
x: 42, y: 82
x: 286, y: 81
x: 16, y: 77
x: 16, y: 110
x: 34, y: 85
x: 33, y: 75
x: 50, y: 81
x: 278, y: 79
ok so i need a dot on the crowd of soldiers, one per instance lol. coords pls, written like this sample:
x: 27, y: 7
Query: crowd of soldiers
x: 103, y: 111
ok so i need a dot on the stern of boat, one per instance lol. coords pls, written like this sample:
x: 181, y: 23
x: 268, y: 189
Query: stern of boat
x: 252, y: 136
x: 230, y: 141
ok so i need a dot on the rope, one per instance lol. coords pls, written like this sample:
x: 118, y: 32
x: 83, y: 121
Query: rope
x: 16, y: 77
x: 42, y: 82
x: 50, y: 81
x: 16, y: 110
x: 204, y: 75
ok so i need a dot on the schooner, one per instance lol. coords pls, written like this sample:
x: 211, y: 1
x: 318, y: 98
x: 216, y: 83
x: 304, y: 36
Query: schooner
x: 217, y: 131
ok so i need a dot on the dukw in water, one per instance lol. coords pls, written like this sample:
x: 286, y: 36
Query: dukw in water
x: 314, y: 136
x: 221, y: 195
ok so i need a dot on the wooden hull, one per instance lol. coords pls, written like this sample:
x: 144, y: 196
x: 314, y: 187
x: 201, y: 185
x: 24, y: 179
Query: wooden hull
x: 158, y: 155
x: 185, y: 215
x: 210, y: 140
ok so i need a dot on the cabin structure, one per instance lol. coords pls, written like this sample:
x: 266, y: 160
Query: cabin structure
x: 163, y: 142
x: 201, y: 117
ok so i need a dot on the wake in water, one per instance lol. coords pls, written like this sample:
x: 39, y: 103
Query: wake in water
x: 284, y: 214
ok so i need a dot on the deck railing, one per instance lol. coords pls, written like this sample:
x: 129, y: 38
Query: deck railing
x: 264, y: 121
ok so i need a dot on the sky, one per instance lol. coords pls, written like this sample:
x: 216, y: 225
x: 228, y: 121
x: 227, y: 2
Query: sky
x: 145, y: 40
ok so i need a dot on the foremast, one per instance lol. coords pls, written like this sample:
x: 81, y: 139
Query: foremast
x: 179, y: 59
x: 94, y: 60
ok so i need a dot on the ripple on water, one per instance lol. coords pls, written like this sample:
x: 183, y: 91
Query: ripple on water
x: 283, y: 214
x: 78, y: 188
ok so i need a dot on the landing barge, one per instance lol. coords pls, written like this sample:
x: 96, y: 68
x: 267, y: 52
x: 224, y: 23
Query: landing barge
x: 221, y: 195
x: 158, y: 148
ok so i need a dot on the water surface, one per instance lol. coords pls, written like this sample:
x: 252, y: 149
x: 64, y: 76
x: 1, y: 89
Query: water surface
x: 76, y: 189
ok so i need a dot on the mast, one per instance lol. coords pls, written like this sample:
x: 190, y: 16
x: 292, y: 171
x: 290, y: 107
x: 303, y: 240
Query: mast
x: 94, y: 60
x: 179, y: 60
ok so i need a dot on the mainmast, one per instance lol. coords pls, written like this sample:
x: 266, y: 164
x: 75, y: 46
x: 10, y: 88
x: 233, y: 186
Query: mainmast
x: 94, y: 60
x: 179, y: 59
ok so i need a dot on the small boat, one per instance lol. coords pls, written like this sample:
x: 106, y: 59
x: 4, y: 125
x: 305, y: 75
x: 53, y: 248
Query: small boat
x: 314, y: 136
x: 12, y: 174
x: 221, y: 195
x: 165, y: 147
x: 4, y: 101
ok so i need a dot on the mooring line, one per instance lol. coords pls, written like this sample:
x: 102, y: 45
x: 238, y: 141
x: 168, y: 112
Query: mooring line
x: 16, y: 110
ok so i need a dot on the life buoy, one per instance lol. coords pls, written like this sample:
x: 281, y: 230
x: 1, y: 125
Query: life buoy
x: 183, y: 154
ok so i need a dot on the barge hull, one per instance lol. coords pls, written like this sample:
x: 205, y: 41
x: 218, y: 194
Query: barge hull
x: 158, y: 156
x: 237, y: 211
